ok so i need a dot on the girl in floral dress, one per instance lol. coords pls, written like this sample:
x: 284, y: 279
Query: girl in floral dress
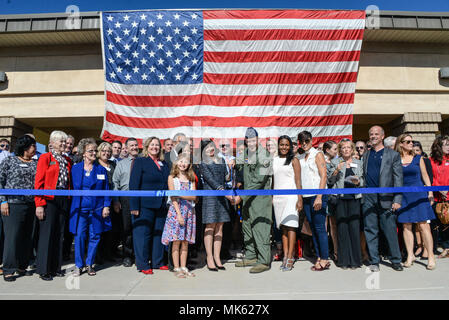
x: 180, y: 225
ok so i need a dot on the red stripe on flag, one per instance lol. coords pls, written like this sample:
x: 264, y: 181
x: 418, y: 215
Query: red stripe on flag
x: 107, y: 136
x: 317, y: 140
x: 283, y: 34
x: 281, y: 56
x: 279, y: 78
x: 229, y: 122
x: 229, y: 101
x: 283, y: 14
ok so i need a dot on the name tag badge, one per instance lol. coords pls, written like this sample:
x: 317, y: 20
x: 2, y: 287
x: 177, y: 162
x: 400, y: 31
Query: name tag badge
x: 22, y: 165
x: 100, y: 176
x: 353, y: 165
x: 52, y: 163
x: 160, y: 163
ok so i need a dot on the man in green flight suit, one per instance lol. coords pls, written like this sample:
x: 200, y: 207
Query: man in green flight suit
x: 254, y: 166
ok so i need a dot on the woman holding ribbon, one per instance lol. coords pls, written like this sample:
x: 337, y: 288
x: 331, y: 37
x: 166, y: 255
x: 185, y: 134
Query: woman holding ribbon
x: 89, y: 215
x: 149, y: 213
x: 416, y: 206
x: 53, y: 172
x: 347, y: 172
x: 314, y: 176
x: 18, y: 172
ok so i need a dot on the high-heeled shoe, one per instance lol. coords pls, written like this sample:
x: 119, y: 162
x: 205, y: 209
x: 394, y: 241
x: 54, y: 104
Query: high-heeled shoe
x: 219, y: 267
x: 211, y: 269
x: 409, y: 264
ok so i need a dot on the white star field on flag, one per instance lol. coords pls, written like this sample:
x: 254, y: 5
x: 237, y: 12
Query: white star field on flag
x: 154, y: 47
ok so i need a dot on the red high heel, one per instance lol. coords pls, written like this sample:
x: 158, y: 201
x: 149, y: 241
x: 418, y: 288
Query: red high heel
x: 149, y: 271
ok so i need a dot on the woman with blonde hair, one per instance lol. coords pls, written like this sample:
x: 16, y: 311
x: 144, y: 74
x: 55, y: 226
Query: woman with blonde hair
x: 149, y: 172
x: 347, y: 172
x: 109, y: 239
x: 416, y: 206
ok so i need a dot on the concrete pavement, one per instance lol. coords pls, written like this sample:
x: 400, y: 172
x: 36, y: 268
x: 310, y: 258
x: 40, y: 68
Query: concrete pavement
x: 115, y: 282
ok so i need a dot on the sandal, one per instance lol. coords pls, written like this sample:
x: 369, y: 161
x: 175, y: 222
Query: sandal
x: 289, y: 265
x: 444, y: 254
x: 321, y: 268
x: 77, y: 272
x: 91, y: 271
x: 179, y: 273
x: 187, y: 272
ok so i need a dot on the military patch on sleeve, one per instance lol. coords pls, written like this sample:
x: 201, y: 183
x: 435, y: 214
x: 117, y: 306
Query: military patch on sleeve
x: 266, y: 163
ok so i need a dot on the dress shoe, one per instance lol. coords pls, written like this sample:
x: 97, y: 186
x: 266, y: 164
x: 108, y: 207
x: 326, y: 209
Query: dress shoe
x: 59, y: 274
x: 127, y: 262
x: 259, y: 268
x: 46, y: 277
x: 397, y: 267
x: 22, y: 273
x: 221, y: 268
x: 246, y: 263
x: 9, y: 277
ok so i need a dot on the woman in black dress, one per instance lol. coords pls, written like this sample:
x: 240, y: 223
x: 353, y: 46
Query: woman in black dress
x: 215, y: 210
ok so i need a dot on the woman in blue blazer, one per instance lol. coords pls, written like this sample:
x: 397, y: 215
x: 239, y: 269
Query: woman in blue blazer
x: 148, y: 214
x: 88, y: 214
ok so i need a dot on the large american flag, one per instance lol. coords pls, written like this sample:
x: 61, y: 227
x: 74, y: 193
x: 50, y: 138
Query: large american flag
x: 213, y: 73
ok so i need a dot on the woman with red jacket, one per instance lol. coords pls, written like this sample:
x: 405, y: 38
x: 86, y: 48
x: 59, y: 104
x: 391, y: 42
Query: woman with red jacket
x: 53, y: 172
x: 439, y: 158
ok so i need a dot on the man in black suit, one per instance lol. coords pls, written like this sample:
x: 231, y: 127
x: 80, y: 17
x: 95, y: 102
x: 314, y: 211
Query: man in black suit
x: 171, y: 156
x: 382, y: 168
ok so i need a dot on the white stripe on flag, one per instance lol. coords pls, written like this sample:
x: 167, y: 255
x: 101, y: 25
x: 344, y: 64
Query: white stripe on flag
x: 281, y: 67
x: 298, y: 24
x: 281, y: 45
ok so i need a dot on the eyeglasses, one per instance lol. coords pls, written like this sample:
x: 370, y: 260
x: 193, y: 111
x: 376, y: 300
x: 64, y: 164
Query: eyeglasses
x: 91, y: 151
x: 359, y: 148
x: 407, y: 141
x: 4, y: 145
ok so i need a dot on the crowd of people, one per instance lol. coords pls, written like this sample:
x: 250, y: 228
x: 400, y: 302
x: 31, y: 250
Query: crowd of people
x: 39, y: 233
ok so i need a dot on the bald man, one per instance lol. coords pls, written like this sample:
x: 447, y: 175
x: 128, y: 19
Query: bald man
x: 382, y: 169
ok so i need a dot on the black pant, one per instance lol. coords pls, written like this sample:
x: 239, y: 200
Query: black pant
x: 348, y: 229
x: 68, y: 238
x: 2, y: 237
x: 126, y: 229
x: 51, y: 236
x: 18, y: 236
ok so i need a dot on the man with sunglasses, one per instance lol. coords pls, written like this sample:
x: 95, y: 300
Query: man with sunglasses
x: 4, y: 149
x: 360, y: 148
x: 382, y: 168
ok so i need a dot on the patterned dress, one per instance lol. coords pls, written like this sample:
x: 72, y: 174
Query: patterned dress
x: 172, y: 230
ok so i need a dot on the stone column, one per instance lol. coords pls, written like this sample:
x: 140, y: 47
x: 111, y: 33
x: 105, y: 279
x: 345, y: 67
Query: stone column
x: 423, y: 126
x: 11, y: 129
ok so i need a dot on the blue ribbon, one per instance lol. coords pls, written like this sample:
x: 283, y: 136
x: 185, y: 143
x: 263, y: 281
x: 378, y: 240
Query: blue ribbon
x: 215, y: 193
